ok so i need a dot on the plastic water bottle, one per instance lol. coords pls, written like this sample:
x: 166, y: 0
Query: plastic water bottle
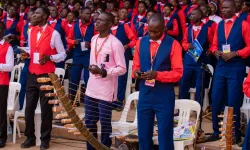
x: 9, y: 130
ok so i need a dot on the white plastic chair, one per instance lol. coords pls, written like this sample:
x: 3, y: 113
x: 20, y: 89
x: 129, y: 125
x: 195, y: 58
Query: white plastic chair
x: 20, y: 68
x: 122, y: 125
x: 14, y: 73
x: 192, y: 91
x: 185, y: 106
x: 245, y: 109
x: 37, y: 120
x: 12, y: 101
x: 129, y: 80
x: 69, y: 61
x: 14, y: 90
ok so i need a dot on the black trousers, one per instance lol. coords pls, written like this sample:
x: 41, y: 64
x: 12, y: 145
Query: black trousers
x: 3, y: 112
x: 33, y: 93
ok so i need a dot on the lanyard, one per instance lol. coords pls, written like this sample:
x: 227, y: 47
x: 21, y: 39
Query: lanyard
x: 228, y: 32
x: 152, y: 57
x: 81, y: 30
x: 97, y: 52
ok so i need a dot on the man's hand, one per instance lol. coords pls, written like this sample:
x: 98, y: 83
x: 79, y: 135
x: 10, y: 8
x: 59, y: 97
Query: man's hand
x: 217, y: 54
x: 8, y: 38
x: 94, y: 69
x: 137, y: 74
x: 209, y: 53
x: 44, y: 59
x: 190, y: 46
x: 126, y: 47
x: 87, y: 44
x: 228, y: 56
x: 23, y: 56
x: 149, y: 75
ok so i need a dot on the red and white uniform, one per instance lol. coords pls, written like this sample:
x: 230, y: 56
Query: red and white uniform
x: 6, y: 62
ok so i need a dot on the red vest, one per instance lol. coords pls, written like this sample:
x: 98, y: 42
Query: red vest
x: 4, y: 76
x: 42, y: 46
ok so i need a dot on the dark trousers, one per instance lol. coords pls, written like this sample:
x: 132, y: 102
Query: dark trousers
x: 122, y: 85
x: 33, y: 93
x: 187, y: 81
x: 150, y: 106
x: 23, y: 81
x: 3, y: 112
x: 227, y: 80
x: 96, y: 110
x: 75, y: 76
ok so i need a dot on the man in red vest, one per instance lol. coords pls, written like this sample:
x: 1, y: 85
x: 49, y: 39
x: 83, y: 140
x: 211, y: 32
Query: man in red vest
x: 6, y: 65
x: 46, y: 49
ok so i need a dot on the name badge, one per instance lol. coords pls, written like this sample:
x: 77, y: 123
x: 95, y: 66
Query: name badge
x: 226, y: 48
x: 150, y: 83
x: 83, y: 46
x: 36, y: 58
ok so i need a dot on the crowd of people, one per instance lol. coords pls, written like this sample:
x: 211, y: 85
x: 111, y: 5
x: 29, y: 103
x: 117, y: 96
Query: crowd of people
x: 169, y: 41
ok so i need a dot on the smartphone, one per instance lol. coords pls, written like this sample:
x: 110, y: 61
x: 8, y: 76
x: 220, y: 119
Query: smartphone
x: 140, y: 73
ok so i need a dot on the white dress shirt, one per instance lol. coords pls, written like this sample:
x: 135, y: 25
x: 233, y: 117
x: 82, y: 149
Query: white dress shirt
x: 9, y: 59
x: 55, y: 42
x: 215, y: 18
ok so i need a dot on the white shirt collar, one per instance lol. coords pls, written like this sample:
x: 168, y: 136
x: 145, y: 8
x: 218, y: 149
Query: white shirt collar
x: 53, y: 21
x: 230, y: 19
x: 204, y: 20
x: 2, y: 41
x: 196, y: 28
x: 166, y: 18
x: 158, y: 41
x: 11, y: 19
x: 114, y: 28
x: 140, y: 16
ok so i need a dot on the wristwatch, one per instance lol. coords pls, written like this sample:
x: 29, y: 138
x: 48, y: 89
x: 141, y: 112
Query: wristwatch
x: 50, y: 57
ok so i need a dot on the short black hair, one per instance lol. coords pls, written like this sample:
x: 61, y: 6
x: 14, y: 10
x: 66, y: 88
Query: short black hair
x: 150, y: 10
x: 156, y: 17
x: 231, y: 1
x: 85, y: 8
x: 75, y: 13
x: 199, y: 10
x: 45, y: 10
x: 142, y: 2
x: 208, y: 8
x: 169, y: 5
x: 110, y: 16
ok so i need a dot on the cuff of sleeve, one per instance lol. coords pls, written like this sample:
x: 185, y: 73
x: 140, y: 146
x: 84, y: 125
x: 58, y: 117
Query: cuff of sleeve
x: 130, y: 46
x: 212, y: 51
x: 240, y: 53
x: 158, y: 77
x: 1, y: 67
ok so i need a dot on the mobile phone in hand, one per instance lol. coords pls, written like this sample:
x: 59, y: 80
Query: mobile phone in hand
x: 140, y: 73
